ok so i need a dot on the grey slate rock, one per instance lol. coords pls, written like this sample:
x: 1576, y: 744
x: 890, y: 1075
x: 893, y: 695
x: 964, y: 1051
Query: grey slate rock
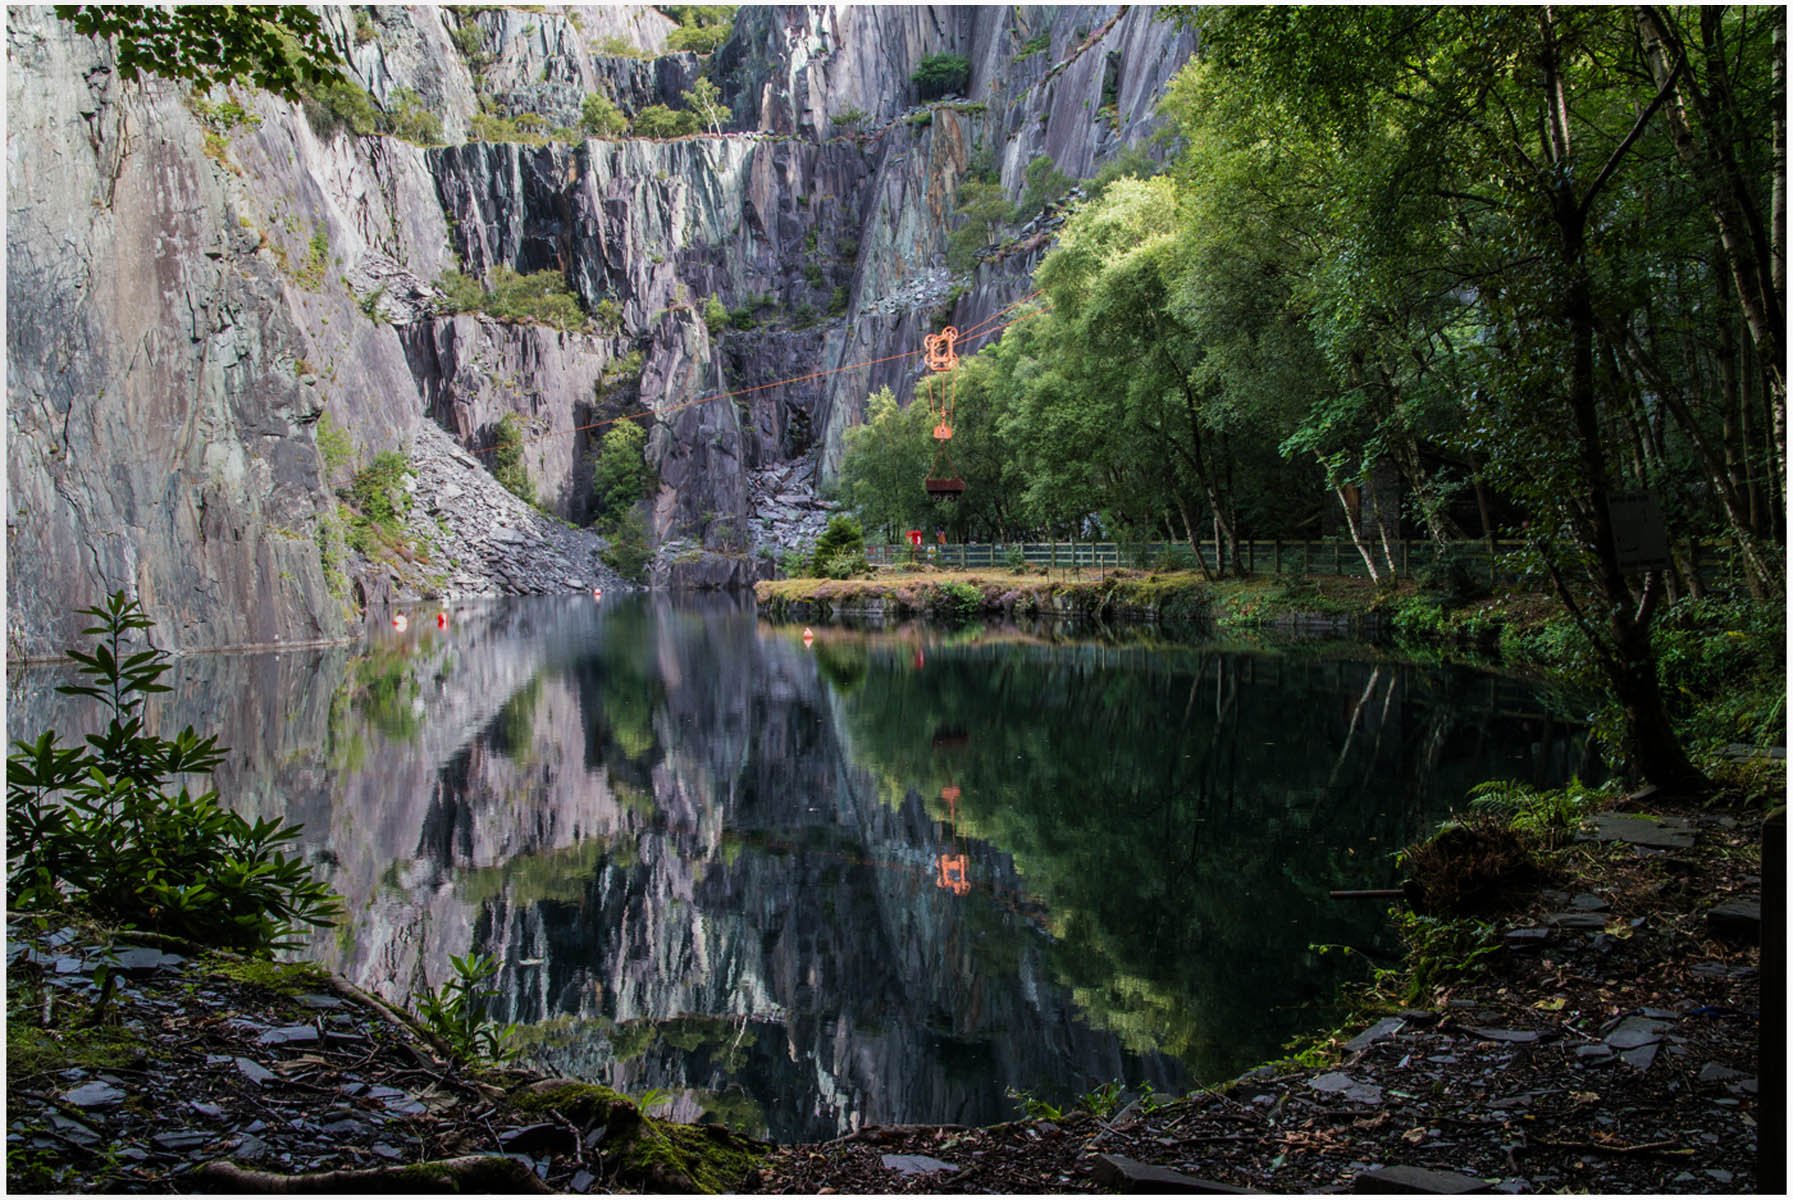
x: 1738, y: 920
x: 1340, y: 1084
x: 1588, y: 902
x: 1640, y: 1057
x: 1386, y: 1027
x: 73, y: 1130
x: 289, y: 1035
x: 95, y: 1095
x: 543, y: 1138
x: 1518, y: 1037
x: 915, y: 1164
x: 181, y: 1139
x: 254, y: 1071
x: 1577, y: 920
x: 1636, y: 1031
x: 1419, y: 1181
x: 143, y: 960
x: 1130, y: 1175
x: 317, y: 1001
x: 1663, y: 833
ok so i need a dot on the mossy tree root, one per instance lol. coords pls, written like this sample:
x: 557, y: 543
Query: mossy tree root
x: 468, y: 1173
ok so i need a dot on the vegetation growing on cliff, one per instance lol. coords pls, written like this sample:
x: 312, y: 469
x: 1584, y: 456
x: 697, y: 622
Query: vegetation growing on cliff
x: 507, y: 458
x: 538, y: 298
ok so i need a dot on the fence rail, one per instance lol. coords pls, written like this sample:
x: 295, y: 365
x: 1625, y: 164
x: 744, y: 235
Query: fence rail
x: 1328, y: 556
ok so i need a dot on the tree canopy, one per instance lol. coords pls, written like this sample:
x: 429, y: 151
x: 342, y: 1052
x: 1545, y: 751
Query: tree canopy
x: 274, y: 46
x: 1436, y: 272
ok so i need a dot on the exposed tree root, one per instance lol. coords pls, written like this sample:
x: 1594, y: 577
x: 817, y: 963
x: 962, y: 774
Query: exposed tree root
x: 468, y: 1173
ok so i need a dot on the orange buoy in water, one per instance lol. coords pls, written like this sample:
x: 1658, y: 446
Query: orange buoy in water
x: 809, y: 636
x: 441, y: 620
x: 400, y: 621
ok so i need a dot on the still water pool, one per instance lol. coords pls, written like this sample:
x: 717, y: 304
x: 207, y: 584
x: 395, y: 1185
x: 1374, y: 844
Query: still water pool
x: 897, y: 876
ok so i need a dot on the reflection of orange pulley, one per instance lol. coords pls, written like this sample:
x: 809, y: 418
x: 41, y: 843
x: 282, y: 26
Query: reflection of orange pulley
x: 954, y: 873
x: 942, y: 393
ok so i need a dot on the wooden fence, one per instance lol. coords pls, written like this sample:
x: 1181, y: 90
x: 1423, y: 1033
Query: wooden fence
x: 1329, y: 556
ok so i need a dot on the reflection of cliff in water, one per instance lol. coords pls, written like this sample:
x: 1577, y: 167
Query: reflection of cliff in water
x: 709, y: 859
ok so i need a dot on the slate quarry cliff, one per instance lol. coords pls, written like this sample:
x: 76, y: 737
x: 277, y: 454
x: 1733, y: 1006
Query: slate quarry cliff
x: 221, y: 308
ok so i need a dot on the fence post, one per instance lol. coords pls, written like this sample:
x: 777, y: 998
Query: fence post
x: 1406, y: 570
x: 1337, y: 569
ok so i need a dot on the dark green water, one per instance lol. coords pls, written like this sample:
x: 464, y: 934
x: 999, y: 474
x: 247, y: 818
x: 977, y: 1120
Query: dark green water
x: 890, y: 877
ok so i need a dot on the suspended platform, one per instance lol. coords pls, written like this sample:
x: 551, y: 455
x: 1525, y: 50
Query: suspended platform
x: 945, y: 488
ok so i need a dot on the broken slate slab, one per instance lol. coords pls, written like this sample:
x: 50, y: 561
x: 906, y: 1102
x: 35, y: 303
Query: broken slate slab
x: 289, y: 1035
x: 1130, y: 1175
x: 1340, y: 1084
x: 1633, y: 1032
x: 1518, y: 1037
x: 315, y: 1001
x: 1637, y: 829
x: 1587, y: 902
x: 1719, y: 1073
x: 1738, y: 920
x: 1386, y: 1027
x: 1529, y: 936
x: 143, y: 960
x: 915, y: 1164
x: 1419, y: 1181
x: 1577, y: 920
x: 254, y: 1071
x: 94, y: 1095
x: 181, y: 1139
x: 1640, y: 1057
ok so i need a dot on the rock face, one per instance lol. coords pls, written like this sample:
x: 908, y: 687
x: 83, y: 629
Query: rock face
x: 191, y: 292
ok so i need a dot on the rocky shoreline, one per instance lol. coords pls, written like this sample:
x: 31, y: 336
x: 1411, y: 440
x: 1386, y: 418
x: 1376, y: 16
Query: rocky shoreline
x: 1610, y: 1044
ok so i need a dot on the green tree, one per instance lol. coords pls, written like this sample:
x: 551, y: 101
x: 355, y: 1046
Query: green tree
x: 508, y: 466
x: 1532, y: 154
x: 659, y: 121
x: 982, y: 211
x: 886, y: 459
x: 599, y: 117
x: 620, y: 478
x: 840, y: 551
x: 941, y: 75
x: 273, y: 46
x: 704, y: 102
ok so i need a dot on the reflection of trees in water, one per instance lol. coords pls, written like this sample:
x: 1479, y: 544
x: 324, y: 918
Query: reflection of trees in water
x: 1182, y: 816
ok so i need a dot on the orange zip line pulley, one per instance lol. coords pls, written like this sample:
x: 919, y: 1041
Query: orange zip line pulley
x: 942, y: 390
